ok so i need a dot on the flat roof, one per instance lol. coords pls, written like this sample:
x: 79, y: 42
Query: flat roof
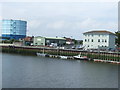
x: 55, y: 38
x: 13, y: 20
x: 99, y: 31
x: 52, y: 37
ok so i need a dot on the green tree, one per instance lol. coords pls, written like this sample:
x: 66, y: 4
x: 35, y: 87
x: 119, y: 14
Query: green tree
x: 75, y: 41
x: 12, y: 40
x: 117, y: 38
x: 81, y: 42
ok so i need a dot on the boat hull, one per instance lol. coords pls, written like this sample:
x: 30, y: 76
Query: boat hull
x: 63, y: 57
x: 81, y: 58
x: 41, y: 54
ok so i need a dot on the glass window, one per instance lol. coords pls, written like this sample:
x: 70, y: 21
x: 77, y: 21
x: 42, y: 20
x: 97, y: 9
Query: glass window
x: 105, y: 40
x: 98, y: 40
x: 92, y: 40
x: 14, y: 22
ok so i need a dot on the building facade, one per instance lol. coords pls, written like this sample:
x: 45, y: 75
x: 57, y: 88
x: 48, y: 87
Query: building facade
x: 69, y: 41
x: 14, y: 29
x: 28, y: 40
x: 99, y: 40
x: 48, y: 41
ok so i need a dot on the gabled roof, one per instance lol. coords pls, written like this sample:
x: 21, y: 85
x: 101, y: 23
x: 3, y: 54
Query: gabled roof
x: 100, y: 31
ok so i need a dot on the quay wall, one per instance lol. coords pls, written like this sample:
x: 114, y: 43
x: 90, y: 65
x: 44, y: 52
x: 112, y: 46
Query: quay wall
x: 64, y: 52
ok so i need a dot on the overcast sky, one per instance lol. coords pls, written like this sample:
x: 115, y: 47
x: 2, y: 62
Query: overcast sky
x: 61, y: 19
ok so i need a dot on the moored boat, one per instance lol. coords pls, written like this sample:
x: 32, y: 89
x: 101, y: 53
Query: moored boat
x: 41, y: 54
x: 81, y: 57
x: 63, y: 57
x: 118, y: 62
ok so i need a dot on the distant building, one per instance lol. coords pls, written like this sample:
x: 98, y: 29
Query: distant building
x: 28, y: 41
x: 19, y: 43
x: 69, y: 41
x: 49, y: 41
x: 14, y: 29
x: 99, y: 40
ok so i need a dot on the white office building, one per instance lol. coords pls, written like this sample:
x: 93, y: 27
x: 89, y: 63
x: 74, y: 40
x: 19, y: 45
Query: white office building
x: 99, y: 40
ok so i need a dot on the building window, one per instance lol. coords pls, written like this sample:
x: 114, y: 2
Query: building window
x: 38, y: 39
x: 92, y: 40
x: 47, y: 41
x: 88, y: 45
x: 105, y: 40
x: 98, y: 40
x: 14, y: 22
x: 85, y: 40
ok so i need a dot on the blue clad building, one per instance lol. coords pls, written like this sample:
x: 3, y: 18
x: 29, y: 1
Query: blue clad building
x: 14, y: 29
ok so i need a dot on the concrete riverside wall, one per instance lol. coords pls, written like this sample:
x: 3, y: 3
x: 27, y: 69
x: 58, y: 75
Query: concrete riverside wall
x: 64, y: 52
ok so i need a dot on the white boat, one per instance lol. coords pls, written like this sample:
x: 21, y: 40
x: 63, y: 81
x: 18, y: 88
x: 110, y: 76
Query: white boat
x: 80, y: 57
x: 41, y: 54
x: 118, y: 62
x: 63, y: 57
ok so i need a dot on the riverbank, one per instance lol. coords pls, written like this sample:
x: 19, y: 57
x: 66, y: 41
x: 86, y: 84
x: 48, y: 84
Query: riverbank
x: 95, y: 56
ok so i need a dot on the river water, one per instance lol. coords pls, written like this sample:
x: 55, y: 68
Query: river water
x: 21, y: 71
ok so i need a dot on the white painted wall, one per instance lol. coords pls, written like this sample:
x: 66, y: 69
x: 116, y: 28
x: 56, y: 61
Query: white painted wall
x: 39, y: 41
x: 109, y: 38
x: 111, y: 41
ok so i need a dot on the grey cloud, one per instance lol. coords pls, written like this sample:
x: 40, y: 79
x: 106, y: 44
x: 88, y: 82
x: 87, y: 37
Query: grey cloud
x: 63, y: 19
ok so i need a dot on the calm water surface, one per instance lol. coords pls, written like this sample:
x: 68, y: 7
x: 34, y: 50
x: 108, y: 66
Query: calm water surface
x: 40, y: 72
